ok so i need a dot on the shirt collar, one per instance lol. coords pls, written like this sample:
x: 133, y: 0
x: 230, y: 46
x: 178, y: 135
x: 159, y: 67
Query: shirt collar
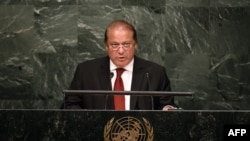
x: 129, y: 67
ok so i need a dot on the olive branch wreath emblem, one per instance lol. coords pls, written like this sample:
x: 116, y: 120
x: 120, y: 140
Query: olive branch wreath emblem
x: 149, y: 129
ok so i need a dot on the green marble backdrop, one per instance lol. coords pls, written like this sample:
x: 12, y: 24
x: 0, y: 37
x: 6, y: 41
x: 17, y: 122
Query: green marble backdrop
x: 204, y: 45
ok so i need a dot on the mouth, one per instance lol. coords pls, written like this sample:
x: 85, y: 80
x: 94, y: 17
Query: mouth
x: 121, y: 58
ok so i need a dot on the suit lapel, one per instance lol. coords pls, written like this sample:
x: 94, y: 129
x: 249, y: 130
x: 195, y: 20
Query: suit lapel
x: 104, y: 75
x: 137, y: 80
x: 105, y: 81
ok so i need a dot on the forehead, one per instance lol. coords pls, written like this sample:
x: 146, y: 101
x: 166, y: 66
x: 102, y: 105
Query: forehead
x: 120, y: 35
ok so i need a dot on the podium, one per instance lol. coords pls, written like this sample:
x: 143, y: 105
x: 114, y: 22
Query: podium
x: 111, y: 125
x: 93, y: 125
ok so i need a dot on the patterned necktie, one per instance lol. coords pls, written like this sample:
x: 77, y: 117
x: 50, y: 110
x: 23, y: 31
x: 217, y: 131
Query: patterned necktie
x: 119, y: 100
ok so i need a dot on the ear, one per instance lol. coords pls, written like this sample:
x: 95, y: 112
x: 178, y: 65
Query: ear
x: 135, y: 46
x: 106, y: 47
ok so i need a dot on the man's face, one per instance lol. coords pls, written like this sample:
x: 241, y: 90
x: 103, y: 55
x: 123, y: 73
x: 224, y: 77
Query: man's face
x: 120, y: 46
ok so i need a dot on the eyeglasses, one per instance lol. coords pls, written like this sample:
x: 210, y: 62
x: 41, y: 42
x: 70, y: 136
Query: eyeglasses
x: 116, y: 46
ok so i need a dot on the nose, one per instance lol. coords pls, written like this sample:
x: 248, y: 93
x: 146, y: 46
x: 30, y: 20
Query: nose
x: 121, y: 50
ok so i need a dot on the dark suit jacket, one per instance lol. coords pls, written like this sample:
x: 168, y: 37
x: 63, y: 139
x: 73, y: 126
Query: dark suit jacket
x: 95, y: 75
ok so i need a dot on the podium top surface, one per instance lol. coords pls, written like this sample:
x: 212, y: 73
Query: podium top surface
x: 138, y: 93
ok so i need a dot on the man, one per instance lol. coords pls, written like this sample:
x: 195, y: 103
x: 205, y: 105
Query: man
x: 137, y: 75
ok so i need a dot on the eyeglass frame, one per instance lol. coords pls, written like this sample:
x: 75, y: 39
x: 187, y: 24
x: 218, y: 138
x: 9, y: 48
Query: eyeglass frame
x: 116, y: 46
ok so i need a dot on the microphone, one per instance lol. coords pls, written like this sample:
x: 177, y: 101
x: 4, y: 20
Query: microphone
x: 111, y: 74
x: 149, y: 87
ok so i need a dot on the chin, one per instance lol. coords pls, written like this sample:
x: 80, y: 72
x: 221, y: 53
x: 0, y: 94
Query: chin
x: 121, y: 64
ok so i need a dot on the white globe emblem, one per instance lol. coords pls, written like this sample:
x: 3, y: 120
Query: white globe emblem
x: 128, y: 129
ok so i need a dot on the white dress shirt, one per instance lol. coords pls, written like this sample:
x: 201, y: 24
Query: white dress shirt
x: 126, y: 78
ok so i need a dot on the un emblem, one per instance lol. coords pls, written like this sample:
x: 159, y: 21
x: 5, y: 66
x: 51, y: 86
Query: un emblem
x: 128, y: 129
